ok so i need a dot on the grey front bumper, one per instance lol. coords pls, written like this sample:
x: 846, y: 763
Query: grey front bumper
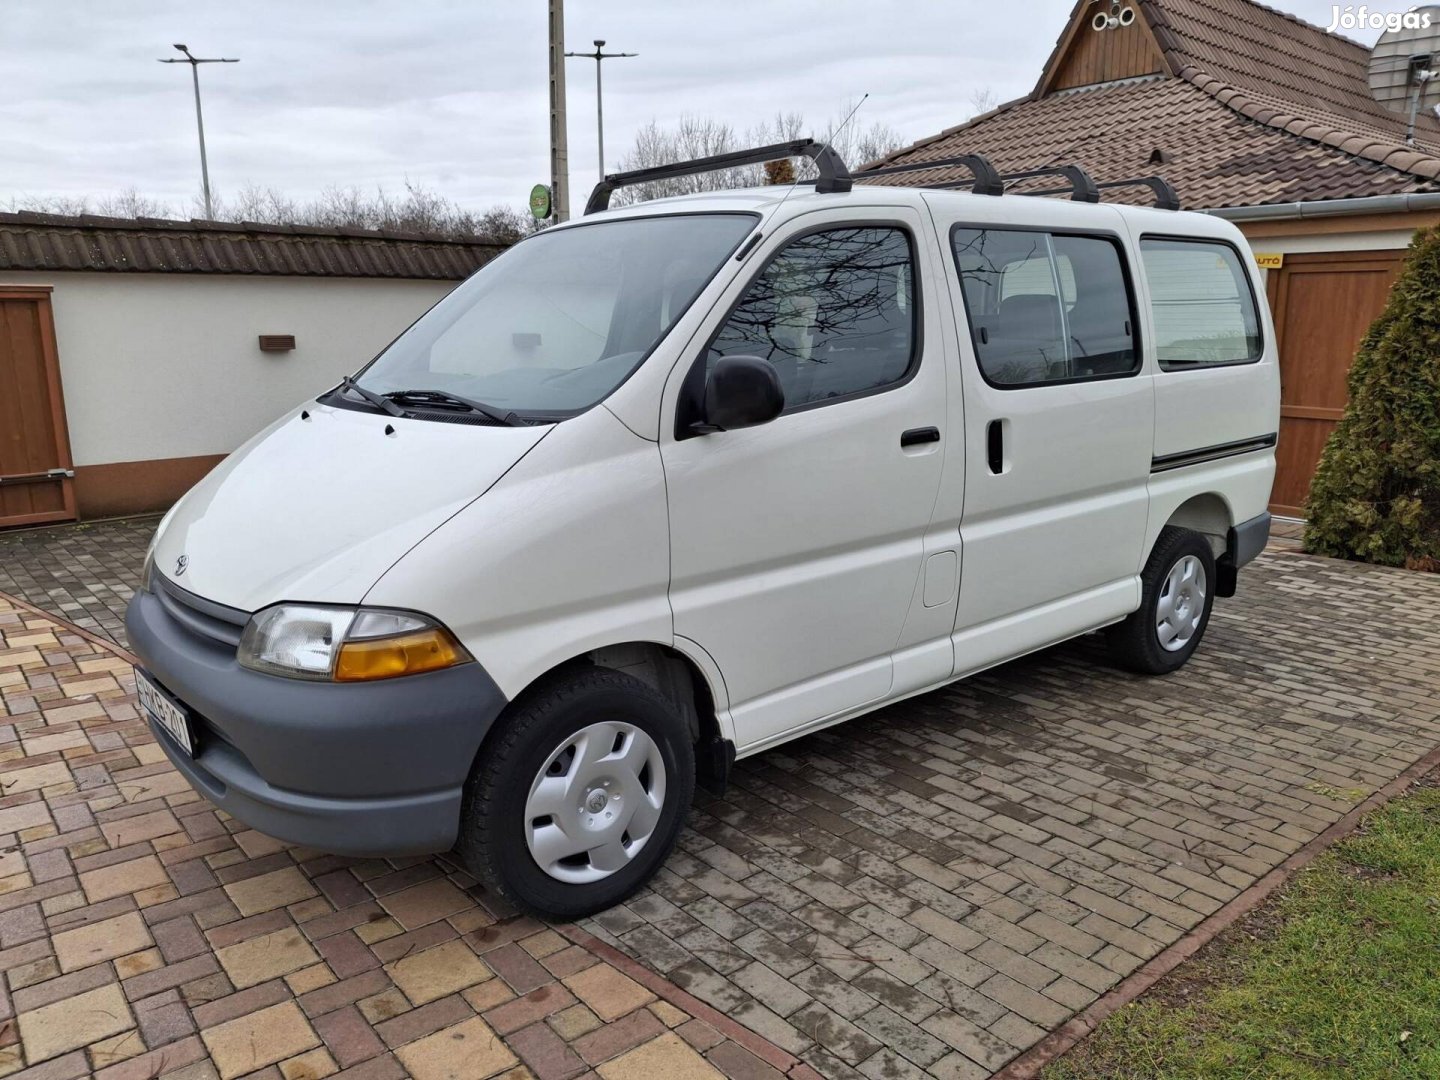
x: 352, y: 768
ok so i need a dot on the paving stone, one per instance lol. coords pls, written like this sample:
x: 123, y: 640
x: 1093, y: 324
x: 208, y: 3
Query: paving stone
x: 465, y: 1051
x: 101, y: 941
x: 667, y: 1056
x: 545, y: 1053
x: 258, y: 1039
x: 74, y: 1022
x: 266, y: 892
x: 609, y: 993
x: 735, y: 1061
x: 437, y: 972
x: 122, y: 878
x: 425, y: 903
x: 268, y: 956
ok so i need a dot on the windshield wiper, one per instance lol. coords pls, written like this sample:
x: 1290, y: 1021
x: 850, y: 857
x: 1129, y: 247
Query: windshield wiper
x: 444, y: 398
x: 347, y: 383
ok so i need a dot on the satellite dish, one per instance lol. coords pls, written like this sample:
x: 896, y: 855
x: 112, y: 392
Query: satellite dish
x: 1404, y: 72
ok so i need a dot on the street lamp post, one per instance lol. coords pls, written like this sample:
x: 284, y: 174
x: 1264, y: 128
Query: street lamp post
x: 598, y: 56
x: 195, y: 62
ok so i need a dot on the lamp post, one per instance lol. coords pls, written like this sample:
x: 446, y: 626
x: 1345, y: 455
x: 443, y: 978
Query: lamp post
x: 598, y: 56
x: 195, y: 62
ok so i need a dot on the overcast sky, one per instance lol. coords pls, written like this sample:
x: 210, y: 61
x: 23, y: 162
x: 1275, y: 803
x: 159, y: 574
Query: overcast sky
x: 452, y: 94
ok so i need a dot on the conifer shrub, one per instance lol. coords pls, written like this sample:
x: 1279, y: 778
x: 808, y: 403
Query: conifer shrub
x: 1376, y: 493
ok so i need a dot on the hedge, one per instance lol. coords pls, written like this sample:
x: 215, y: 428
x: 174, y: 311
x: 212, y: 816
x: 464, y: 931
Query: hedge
x: 1376, y: 494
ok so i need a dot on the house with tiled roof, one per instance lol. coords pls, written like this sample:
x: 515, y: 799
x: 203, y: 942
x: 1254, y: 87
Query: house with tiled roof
x: 1254, y: 115
x: 135, y: 354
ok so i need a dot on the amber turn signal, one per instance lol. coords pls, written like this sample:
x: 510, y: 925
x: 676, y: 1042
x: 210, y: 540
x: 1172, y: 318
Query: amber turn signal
x: 406, y: 654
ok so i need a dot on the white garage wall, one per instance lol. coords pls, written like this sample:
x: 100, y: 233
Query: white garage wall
x: 161, y: 366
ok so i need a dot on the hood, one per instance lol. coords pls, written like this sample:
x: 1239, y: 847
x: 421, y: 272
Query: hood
x: 318, y: 508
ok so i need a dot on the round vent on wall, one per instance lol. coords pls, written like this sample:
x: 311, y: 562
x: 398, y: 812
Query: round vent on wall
x: 1110, y: 16
x: 1404, y: 70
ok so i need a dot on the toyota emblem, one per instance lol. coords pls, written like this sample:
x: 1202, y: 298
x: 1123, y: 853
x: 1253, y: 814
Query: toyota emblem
x: 180, y: 564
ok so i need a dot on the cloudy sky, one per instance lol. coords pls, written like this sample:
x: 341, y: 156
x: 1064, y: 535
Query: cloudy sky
x: 452, y: 94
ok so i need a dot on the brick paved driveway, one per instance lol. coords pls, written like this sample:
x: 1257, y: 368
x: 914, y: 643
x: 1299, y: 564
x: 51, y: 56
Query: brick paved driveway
x: 144, y: 935
x: 931, y: 888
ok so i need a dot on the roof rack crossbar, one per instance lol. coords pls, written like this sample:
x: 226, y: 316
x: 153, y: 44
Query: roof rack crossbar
x: 987, y: 179
x: 1082, y: 185
x: 834, y: 176
x: 1166, y: 197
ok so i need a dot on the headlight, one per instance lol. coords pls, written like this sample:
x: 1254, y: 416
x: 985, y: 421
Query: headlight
x: 305, y: 641
x: 147, y: 572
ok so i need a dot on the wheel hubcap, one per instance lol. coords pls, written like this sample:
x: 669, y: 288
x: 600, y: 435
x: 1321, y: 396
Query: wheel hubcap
x: 595, y: 802
x: 1181, y: 605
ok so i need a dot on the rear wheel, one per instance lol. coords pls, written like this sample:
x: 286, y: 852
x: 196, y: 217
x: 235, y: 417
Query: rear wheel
x: 1178, y: 590
x: 579, y: 795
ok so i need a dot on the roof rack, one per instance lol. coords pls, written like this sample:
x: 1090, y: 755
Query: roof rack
x: 987, y: 179
x: 834, y: 176
x: 1166, y: 198
x: 1082, y: 185
x: 990, y: 181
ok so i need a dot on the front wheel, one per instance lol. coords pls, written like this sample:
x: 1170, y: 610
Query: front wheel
x: 579, y: 795
x: 1178, y: 585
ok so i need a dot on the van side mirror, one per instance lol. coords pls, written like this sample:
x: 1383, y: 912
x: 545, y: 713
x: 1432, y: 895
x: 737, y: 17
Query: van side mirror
x: 741, y: 391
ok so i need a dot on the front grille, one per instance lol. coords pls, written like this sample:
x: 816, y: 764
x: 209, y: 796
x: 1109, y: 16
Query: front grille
x: 203, y: 618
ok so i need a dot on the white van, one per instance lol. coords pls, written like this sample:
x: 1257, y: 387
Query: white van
x: 672, y: 484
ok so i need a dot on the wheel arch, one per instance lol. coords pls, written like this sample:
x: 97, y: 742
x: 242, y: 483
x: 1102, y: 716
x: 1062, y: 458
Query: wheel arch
x: 1212, y: 516
x: 1209, y: 514
x: 682, y: 678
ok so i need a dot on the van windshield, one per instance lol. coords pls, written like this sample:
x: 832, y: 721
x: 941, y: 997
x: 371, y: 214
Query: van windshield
x: 555, y: 324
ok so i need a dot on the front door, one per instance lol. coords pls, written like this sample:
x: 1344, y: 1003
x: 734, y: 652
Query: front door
x: 797, y: 545
x: 35, y: 484
x: 1322, y: 305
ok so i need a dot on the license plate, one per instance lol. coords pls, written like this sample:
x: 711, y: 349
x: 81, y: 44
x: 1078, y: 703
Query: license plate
x: 164, y: 711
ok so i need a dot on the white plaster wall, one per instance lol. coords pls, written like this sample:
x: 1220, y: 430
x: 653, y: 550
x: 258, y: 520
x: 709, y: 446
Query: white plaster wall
x: 169, y: 365
x: 1304, y: 245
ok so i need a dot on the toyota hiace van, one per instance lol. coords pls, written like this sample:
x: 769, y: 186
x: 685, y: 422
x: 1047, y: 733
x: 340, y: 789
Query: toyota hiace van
x: 674, y: 483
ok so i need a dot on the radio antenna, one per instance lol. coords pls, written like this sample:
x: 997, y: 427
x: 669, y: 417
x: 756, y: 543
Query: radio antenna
x: 829, y: 140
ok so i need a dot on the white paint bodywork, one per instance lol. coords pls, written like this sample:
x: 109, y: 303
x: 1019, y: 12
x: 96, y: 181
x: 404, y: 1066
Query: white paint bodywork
x: 810, y: 568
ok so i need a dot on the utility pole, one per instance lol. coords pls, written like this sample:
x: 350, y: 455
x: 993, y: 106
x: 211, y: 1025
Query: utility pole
x: 195, y: 62
x: 598, y: 56
x: 559, y: 151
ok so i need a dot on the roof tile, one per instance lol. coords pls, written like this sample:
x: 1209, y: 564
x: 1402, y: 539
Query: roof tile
x: 31, y: 241
x: 1276, y: 109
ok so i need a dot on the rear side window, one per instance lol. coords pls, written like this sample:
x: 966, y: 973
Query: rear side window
x: 835, y: 313
x: 1045, y: 308
x: 1204, y: 308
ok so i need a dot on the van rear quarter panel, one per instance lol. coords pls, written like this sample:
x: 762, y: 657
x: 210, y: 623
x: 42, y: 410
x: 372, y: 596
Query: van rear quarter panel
x: 568, y: 552
x: 1207, y: 407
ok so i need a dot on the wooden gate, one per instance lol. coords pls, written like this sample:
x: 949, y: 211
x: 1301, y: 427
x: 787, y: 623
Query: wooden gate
x: 35, y: 465
x: 1322, y: 305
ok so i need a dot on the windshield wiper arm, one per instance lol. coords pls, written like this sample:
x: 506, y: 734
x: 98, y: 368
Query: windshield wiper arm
x: 347, y: 383
x: 444, y: 397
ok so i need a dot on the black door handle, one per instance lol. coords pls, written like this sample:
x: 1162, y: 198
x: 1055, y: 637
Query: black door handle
x: 918, y: 435
x: 995, y: 447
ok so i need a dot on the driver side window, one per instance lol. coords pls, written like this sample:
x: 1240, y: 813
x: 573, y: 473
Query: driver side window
x: 835, y: 313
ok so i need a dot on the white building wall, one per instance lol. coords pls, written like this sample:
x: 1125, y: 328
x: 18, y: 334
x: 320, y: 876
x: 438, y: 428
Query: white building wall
x: 158, y: 366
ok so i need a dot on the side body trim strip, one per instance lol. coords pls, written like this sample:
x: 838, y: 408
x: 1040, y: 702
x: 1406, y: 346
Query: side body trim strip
x: 1166, y: 462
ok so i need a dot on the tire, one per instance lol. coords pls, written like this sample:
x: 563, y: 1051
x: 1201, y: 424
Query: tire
x: 619, y: 757
x: 1141, y: 643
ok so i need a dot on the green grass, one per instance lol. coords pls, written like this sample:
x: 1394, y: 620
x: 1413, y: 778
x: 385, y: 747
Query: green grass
x: 1337, y: 977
